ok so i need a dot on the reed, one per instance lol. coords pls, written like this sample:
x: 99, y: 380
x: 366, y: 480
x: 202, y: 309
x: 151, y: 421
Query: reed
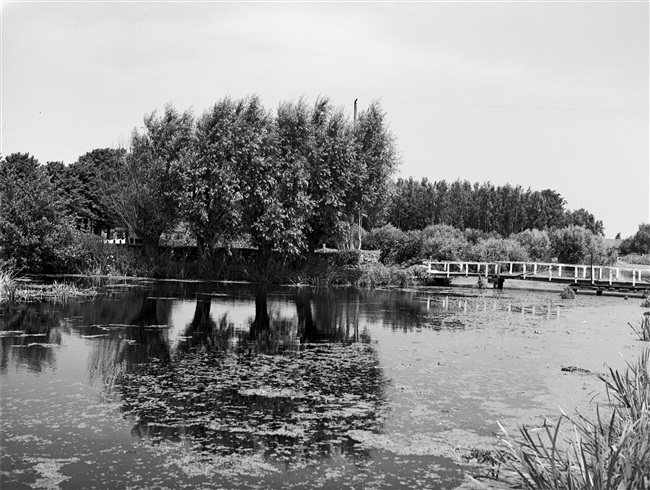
x: 8, y: 277
x: 643, y: 331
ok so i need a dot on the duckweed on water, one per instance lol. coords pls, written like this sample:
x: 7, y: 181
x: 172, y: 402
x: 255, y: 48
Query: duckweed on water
x: 290, y: 408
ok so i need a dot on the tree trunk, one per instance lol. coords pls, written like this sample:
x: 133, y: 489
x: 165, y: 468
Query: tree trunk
x: 151, y: 250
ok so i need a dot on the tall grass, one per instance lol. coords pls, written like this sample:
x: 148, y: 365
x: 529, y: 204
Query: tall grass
x: 643, y: 331
x: 8, y: 276
x: 612, y: 452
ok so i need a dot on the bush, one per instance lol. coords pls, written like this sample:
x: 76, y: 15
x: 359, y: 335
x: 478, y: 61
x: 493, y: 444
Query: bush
x: 382, y: 238
x: 443, y: 242
x: 577, y: 245
x: 496, y: 249
x: 406, y: 250
x: 382, y: 275
x: 536, y: 243
x: 637, y: 243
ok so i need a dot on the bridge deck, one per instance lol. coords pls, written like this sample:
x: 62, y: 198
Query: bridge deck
x: 578, y: 276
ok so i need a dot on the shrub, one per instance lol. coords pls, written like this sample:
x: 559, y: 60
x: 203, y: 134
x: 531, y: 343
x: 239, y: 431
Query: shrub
x: 577, y: 245
x: 383, y: 275
x: 496, y: 249
x: 536, y: 243
x: 443, y: 242
x: 382, y: 238
x: 406, y: 250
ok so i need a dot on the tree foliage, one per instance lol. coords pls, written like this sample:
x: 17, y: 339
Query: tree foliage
x: 578, y: 245
x: 36, y: 231
x: 501, y: 209
x: 145, y: 198
x: 637, y: 243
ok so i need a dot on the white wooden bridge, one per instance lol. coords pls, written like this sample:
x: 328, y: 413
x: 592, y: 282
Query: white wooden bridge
x: 578, y: 276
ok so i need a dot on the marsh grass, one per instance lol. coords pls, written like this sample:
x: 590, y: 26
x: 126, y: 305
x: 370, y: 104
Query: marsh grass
x: 643, y: 331
x: 612, y: 452
x: 8, y: 277
x: 56, y: 291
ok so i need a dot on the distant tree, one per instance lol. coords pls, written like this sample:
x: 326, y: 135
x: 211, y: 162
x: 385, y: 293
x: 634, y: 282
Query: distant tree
x: 147, y: 194
x: 578, y: 245
x: 637, y: 243
x: 36, y: 233
x: 582, y: 217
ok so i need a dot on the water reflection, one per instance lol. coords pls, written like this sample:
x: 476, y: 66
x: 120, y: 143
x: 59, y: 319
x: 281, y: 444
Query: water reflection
x: 448, y: 303
x: 242, y: 373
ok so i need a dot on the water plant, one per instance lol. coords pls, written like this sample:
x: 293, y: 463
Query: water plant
x: 8, y: 276
x: 643, y: 331
x: 56, y: 291
x: 568, y: 293
x: 612, y: 452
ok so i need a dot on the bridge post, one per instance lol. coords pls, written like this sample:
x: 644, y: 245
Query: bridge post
x: 486, y: 269
x: 550, y: 272
x: 584, y: 272
x: 510, y: 268
x: 447, y: 267
x: 600, y: 274
x: 559, y: 271
x: 633, y: 278
x: 610, y: 277
x: 618, y: 273
x: 535, y: 268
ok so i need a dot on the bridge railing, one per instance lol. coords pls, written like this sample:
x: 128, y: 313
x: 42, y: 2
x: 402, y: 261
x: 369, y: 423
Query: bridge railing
x: 538, y: 270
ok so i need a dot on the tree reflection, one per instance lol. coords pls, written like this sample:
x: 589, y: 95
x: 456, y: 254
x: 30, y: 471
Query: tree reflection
x: 35, y: 334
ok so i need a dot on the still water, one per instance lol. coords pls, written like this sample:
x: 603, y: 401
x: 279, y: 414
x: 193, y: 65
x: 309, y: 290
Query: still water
x: 211, y: 385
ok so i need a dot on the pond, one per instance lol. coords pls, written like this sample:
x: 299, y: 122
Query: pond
x: 213, y: 385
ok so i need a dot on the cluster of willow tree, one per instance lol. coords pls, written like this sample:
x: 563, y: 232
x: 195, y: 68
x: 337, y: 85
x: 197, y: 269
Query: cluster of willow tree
x: 288, y: 181
x: 502, y: 209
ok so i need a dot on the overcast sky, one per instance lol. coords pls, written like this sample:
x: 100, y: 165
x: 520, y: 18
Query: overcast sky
x: 538, y: 94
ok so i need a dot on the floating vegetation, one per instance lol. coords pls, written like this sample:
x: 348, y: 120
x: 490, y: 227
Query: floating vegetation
x: 290, y: 408
x: 612, y: 452
x: 643, y: 331
x: 574, y: 369
x: 568, y: 293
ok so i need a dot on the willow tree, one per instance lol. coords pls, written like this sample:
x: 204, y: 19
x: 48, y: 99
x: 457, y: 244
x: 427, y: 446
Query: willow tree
x: 212, y: 181
x: 277, y: 205
x: 146, y: 195
x: 376, y: 160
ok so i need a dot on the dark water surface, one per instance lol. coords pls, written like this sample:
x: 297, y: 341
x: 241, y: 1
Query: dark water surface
x: 209, y: 385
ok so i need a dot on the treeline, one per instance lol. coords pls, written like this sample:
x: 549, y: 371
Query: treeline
x: 283, y: 182
x: 568, y: 245
x: 485, y: 207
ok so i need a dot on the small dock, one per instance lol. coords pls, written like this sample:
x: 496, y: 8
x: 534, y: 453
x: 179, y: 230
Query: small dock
x: 578, y: 276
